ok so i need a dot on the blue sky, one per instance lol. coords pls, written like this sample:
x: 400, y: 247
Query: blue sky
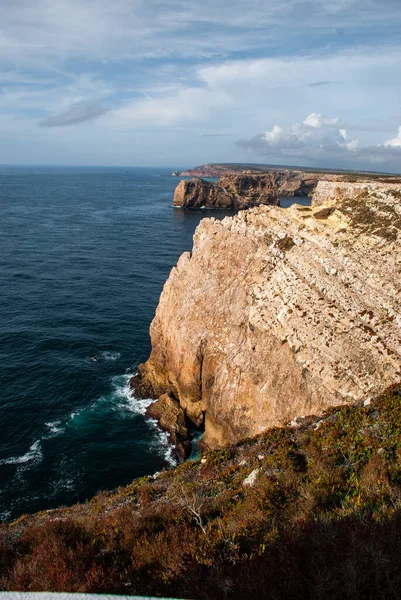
x: 178, y: 83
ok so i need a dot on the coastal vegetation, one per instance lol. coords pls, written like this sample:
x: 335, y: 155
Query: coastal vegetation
x: 311, y: 510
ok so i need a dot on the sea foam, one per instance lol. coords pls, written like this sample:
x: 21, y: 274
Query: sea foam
x: 55, y: 428
x: 34, y: 453
x: 110, y: 355
x: 161, y: 441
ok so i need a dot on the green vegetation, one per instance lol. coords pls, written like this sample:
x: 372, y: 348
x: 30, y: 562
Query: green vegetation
x: 322, y: 519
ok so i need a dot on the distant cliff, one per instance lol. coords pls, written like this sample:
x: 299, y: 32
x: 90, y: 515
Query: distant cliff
x: 287, y: 183
x: 279, y: 313
x: 230, y: 192
x: 290, y: 182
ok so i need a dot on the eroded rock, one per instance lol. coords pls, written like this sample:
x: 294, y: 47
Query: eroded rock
x: 280, y: 313
x: 171, y: 418
x: 230, y: 192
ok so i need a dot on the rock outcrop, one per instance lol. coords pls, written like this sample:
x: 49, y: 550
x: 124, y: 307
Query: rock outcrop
x: 171, y: 418
x: 234, y: 192
x: 279, y: 313
x: 297, y: 183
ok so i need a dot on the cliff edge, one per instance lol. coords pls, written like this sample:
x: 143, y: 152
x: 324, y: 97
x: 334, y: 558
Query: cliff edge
x: 280, y: 313
x: 230, y: 192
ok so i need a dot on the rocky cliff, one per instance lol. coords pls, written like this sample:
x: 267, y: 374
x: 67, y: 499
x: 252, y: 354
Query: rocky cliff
x: 337, y: 192
x: 279, y: 313
x: 289, y: 182
x: 302, y: 183
x: 230, y: 192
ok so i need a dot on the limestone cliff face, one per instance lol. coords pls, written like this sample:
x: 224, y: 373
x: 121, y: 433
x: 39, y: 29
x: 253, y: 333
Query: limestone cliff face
x: 280, y: 313
x: 230, y: 192
x: 334, y: 192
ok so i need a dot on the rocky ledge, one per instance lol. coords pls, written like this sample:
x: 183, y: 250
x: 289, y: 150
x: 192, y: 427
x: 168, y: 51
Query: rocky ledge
x: 230, y: 192
x: 277, y: 314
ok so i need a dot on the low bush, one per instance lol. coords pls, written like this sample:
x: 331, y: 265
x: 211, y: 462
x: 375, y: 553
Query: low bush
x: 319, y: 518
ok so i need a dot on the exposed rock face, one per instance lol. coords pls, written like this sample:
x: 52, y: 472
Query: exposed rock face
x: 172, y: 419
x: 290, y: 182
x: 199, y: 193
x: 230, y: 192
x: 296, y: 183
x: 335, y: 192
x: 277, y: 314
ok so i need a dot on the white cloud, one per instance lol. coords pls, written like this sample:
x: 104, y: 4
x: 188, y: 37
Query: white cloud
x: 317, y: 120
x: 164, y: 66
x: 314, y: 136
x: 352, y: 146
x: 317, y: 138
x: 394, y: 142
x: 182, y: 107
x: 125, y: 29
x: 239, y: 94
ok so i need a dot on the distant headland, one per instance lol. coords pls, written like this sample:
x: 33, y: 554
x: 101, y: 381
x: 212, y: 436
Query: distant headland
x: 242, y: 186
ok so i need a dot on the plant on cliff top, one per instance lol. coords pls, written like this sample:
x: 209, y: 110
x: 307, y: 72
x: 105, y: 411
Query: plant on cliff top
x: 321, y: 519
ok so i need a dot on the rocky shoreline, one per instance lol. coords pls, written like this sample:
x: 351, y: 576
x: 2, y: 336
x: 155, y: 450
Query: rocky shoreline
x: 279, y: 331
x: 239, y: 188
x: 276, y: 314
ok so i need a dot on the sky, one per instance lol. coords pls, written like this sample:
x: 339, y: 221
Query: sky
x: 179, y: 83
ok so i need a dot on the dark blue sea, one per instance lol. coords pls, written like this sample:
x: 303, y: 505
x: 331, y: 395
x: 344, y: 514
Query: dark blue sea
x: 84, y: 253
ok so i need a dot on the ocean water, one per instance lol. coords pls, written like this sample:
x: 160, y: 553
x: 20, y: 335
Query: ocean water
x: 84, y: 253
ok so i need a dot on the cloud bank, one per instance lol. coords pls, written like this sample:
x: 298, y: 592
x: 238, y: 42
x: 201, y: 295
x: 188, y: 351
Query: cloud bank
x: 322, y: 138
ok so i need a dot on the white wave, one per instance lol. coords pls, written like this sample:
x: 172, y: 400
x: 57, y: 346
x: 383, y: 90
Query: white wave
x: 34, y: 453
x: 128, y: 401
x: 161, y: 443
x: 55, y: 427
x: 5, y: 516
x: 110, y: 355
x: 74, y: 414
x: 137, y: 406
